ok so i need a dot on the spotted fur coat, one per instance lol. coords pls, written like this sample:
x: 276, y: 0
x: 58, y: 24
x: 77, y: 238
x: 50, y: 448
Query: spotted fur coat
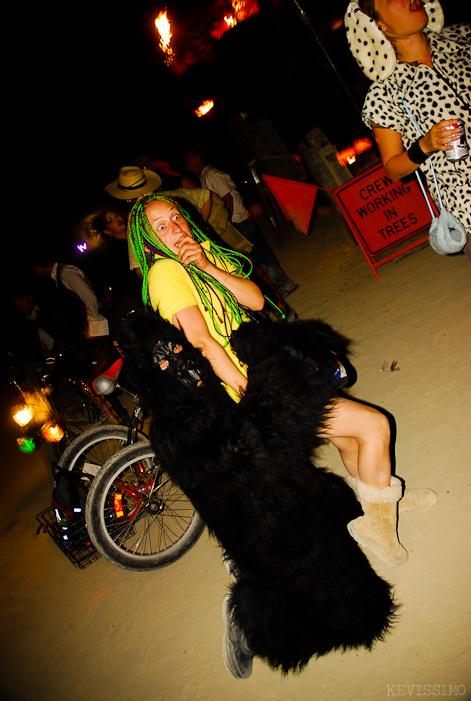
x: 304, y: 587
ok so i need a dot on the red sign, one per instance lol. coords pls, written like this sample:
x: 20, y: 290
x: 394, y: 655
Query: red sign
x: 382, y: 213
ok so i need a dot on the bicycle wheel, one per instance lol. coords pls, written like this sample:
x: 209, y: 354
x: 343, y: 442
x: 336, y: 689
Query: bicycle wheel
x: 54, y: 451
x: 91, y: 449
x: 137, y: 518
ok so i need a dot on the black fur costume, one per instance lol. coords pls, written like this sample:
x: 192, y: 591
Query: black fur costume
x: 304, y: 587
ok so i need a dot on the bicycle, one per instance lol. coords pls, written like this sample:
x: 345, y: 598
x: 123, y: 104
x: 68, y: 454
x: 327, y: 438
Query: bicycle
x: 53, y: 406
x: 137, y: 518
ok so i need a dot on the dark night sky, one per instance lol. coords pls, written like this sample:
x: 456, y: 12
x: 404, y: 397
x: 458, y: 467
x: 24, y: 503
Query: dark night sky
x: 97, y: 93
x: 102, y: 95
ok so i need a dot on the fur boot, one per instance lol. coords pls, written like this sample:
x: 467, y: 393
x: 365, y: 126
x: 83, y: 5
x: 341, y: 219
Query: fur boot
x: 417, y: 500
x: 377, y: 528
x: 411, y: 500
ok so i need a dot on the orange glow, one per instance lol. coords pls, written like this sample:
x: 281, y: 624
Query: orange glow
x: 337, y: 24
x: 52, y: 433
x: 204, y: 108
x: 362, y: 145
x: 118, y: 505
x: 23, y: 416
x: 349, y: 155
x: 241, y: 10
x: 162, y: 25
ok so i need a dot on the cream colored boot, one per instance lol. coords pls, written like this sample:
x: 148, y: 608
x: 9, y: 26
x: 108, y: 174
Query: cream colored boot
x: 417, y: 500
x: 411, y: 500
x: 377, y: 528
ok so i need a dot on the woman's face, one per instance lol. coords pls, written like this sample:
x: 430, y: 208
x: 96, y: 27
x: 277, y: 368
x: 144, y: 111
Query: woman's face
x: 401, y: 18
x: 169, y: 225
x: 115, y: 225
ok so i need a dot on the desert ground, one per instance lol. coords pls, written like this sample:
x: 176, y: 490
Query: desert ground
x: 106, y: 634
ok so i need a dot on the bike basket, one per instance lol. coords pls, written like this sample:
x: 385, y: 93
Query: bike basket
x: 72, y: 538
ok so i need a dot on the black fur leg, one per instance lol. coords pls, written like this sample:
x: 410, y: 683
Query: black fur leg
x: 303, y: 587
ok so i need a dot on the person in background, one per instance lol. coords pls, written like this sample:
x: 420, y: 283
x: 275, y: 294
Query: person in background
x: 121, y: 286
x: 403, y: 47
x: 209, y: 208
x: 33, y: 333
x: 133, y: 181
x: 80, y: 303
x: 41, y: 328
x: 197, y: 160
x: 171, y: 180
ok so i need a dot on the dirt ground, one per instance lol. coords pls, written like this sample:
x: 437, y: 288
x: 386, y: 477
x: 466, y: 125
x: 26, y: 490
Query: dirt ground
x: 106, y: 634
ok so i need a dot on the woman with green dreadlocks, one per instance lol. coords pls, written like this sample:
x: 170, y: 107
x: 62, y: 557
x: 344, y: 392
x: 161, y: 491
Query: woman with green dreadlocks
x: 196, y: 285
x: 201, y: 289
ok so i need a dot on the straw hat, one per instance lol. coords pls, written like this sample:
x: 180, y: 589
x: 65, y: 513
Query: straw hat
x: 133, y: 181
x: 373, y: 52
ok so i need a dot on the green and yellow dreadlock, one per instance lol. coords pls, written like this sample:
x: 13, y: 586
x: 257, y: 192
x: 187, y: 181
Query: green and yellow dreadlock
x: 221, y: 304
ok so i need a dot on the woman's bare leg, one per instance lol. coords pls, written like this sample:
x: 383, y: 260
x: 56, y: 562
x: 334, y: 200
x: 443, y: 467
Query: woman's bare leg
x: 362, y: 436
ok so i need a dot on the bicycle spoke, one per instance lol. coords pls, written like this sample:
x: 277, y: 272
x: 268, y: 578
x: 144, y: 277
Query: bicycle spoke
x: 136, y: 516
x: 157, y: 512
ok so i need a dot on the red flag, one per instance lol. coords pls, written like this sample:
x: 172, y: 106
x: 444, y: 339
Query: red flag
x: 296, y: 200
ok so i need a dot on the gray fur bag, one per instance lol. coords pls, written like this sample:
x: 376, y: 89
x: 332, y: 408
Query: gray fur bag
x: 446, y: 235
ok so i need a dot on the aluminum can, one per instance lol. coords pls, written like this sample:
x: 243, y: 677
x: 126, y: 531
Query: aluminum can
x: 460, y: 147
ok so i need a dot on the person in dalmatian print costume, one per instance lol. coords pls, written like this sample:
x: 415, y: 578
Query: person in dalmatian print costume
x: 403, y: 47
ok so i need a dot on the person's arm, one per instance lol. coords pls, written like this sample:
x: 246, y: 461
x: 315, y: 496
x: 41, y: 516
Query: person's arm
x: 248, y: 294
x: 75, y: 281
x: 206, y: 207
x: 396, y: 160
x: 216, y: 182
x: 229, y: 202
x: 193, y: 325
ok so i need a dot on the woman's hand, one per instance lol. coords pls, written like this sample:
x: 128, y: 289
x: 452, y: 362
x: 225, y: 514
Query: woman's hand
x: 193, y: 325
x: 440, y: 136
x: 190, y: 251
x: 395, y: 159
x: 248, y: 294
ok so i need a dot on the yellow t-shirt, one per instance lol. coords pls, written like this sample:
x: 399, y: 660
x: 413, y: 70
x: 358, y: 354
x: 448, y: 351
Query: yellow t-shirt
x: 171, y: 290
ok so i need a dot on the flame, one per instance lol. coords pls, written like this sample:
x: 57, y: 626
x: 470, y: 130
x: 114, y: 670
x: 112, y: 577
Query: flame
x: 204, y: 108
x: 241, y: 10
x: 162, y: 25
x: 362, y: 145
x: 349, y: 155
x: 230, y: 21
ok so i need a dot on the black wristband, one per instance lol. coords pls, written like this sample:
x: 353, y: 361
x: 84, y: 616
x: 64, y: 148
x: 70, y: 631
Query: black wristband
x: 415, y: 153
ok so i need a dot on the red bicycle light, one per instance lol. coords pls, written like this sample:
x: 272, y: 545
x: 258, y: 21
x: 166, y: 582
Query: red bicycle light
x: 118, y: 505
x: 52, y: 433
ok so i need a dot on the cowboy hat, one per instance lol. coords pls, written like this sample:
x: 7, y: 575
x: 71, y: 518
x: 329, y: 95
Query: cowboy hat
x: 132, y: 181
